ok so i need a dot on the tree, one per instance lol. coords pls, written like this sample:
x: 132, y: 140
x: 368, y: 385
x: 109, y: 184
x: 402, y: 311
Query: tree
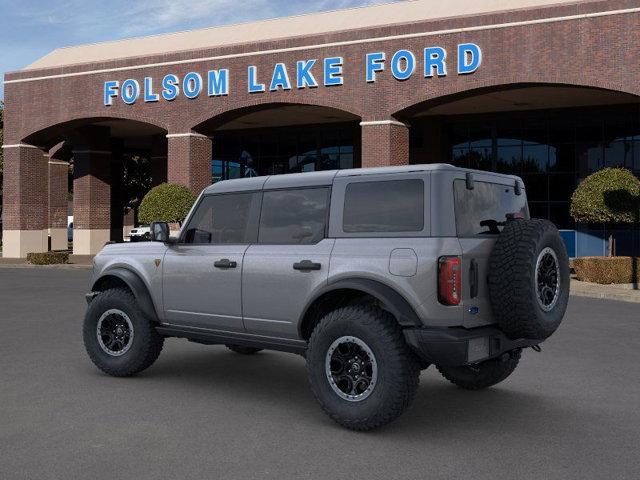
x: 611, y: 195
x: 166, y: 202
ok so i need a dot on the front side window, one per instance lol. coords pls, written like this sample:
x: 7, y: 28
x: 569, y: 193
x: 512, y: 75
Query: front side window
x: 384, y: 206
x: 484, y: 210
x: 297, y: 216
x: 228, y: 218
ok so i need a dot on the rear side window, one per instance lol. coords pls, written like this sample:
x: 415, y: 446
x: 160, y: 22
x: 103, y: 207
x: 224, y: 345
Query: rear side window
x: 385, y: 206
x: 483, y: 210
x: 295, y: 217
x: 228, y: 218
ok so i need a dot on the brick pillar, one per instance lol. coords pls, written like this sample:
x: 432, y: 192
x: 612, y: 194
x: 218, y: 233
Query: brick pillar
x: 189, y: 160
x: 384, y: 143
x: 25, y: 210
x: 58, y: 191
x: 91, y: 200
x: 158, y: 160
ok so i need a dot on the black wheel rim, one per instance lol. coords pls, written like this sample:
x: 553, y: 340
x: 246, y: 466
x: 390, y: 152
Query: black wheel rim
x: 351, y: 368
x: 547, y: 279
x: 115, y: 332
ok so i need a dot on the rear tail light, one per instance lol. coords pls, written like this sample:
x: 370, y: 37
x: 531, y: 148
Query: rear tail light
x: 449, y: 280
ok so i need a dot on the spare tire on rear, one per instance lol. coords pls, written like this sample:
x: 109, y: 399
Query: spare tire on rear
x: 529, y: 279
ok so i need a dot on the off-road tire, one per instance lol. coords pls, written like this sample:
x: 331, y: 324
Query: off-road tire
x: 513, y: 291
x: 146, y: 344
x: 398, y: 369
x: 241, y: 349
x: 482, y: 375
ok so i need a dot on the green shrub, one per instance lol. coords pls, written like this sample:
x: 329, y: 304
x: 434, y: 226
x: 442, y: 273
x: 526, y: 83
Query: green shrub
x: 606, y: 270
x: 167, y: 203
x: 611, y: 195
x: 48, y: 258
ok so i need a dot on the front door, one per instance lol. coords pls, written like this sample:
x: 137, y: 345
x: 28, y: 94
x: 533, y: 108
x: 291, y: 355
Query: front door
x: 202, y: 274
x: 289, y: 262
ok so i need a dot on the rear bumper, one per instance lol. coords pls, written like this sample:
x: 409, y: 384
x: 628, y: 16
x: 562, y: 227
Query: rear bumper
x: 461, y: 346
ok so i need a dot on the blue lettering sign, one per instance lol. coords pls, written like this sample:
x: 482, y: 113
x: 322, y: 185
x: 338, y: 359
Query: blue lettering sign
x: 304, y: 77
x: 434, y: 58
x: 170, y: 87
x: 469, y: 58
x: 403, y: 64
x: 375, y: 63
x: 130, y: 91
x: 333, y: 71
x: 254, y: 87
x: 280, y: 78
x: 110, y: 92
x: 149, y: 96
x: 218, y: 82
x: 192, y: 85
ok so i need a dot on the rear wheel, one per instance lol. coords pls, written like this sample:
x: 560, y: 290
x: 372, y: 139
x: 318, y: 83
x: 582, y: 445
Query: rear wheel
x: 360, y: 369
x: 118, y: 337
x: 482, y: 375
x: 243, y: 350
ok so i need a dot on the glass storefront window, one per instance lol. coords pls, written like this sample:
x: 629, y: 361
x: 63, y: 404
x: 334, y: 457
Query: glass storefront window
x: 249, y: 153
x: 551, y: 150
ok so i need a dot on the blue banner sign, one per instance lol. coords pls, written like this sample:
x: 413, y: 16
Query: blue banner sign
x: 309, y: 73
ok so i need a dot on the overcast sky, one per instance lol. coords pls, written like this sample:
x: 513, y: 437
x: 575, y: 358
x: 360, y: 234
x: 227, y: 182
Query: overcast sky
x: 30, y: 29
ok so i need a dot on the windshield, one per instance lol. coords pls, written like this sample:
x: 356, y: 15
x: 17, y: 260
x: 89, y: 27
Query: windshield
x: 484, y: 210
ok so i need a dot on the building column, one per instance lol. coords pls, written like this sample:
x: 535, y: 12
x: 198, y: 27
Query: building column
x: 158, y: 160
x: 91, y: 200
x: 58, y: 191
x: 189, y: 160
x: 384, y: 143
x: 25, y: 199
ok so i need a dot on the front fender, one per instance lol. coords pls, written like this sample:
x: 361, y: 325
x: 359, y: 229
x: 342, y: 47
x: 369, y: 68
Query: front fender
x: 135, y: 284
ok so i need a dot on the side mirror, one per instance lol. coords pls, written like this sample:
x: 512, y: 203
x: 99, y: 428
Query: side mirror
x: 159, y: 232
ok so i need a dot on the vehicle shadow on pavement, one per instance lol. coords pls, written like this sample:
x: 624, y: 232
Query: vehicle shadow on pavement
x: 280, y: 380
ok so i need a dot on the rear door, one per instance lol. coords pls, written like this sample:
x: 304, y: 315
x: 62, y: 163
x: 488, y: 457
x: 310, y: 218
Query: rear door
x: 202, y: 274
x: 289, y: 261
x: 480, y: 215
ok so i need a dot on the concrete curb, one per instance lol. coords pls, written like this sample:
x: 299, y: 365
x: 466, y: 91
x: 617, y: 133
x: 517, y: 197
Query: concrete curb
x: 65, y: 266
x: 622, y: 293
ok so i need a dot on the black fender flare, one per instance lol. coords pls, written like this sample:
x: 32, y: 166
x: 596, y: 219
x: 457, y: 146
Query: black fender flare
x: 390, y: 299
x: 135, y: 284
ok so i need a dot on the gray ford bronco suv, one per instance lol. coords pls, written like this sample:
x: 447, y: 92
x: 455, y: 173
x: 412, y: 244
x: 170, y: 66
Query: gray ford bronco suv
x: 370, y: 274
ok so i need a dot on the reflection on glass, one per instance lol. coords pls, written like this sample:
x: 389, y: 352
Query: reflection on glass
x: 551, y: 150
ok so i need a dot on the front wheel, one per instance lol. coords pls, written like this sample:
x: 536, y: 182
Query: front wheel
x: 360, y: 369
x: 482, y: 375
x: 118, y: 337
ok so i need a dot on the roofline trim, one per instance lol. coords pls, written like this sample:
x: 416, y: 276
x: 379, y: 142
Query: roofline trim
x: 189, y: 134
x: 332, y: 44
x: 20, y: 145
x: 383, y: 122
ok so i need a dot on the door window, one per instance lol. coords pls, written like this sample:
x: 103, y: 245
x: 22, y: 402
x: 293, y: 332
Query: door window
x: 224, y: 219
x: 297, y: 216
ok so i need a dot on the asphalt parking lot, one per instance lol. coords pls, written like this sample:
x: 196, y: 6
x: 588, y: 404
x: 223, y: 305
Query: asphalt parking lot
x: 202, y: 412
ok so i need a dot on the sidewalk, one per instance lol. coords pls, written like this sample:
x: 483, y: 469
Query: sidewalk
x: 622, y: 292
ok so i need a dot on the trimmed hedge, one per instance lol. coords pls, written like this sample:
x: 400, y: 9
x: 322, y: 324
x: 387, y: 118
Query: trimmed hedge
x: 48, y: 258
x: 607, y: 270
x: 611, y: 195
x: 166, y: 203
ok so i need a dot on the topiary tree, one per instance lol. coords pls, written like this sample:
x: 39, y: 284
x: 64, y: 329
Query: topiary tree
x: 167, y: 203
x: 611, y: 195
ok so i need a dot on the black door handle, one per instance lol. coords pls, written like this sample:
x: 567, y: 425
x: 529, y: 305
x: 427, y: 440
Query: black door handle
x: 306, y: 265
x: 225, y: 263
x: 473, y: 278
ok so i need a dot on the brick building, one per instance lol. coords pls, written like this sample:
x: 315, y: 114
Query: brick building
x: 546, y: 89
